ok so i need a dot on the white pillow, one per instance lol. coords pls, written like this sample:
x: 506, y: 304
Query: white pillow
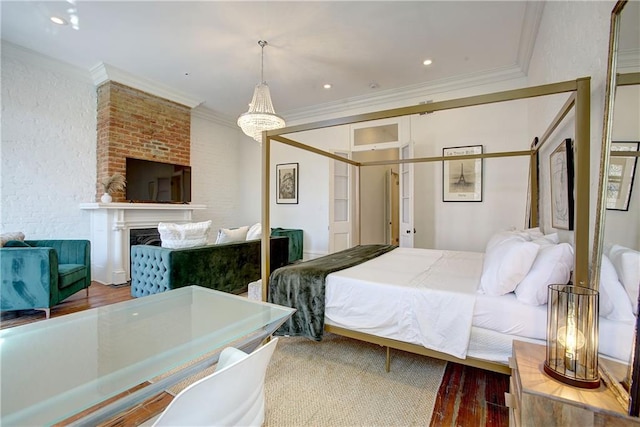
x: 255, y: 232
x: 175, y: 236
x: 553, y: 265
x: 627, y: 264
x: 614, y: 301
x: 506, y: 264
x: 228, y: 235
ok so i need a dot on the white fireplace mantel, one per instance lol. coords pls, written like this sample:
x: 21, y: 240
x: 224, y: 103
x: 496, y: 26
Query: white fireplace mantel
x: 110, y: 225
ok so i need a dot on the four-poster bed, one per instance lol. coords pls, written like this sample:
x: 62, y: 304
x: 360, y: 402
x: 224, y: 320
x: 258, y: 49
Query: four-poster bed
x: 578, y: 100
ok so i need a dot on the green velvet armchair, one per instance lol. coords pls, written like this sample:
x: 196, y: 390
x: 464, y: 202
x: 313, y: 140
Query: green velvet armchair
x: 38, y: 274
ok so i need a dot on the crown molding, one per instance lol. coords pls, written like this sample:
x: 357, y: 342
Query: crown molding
x: 11, y: 50
x: 402, y: 94
x: 102, y: 73
x: 208, y: 114
x: 530, y: 26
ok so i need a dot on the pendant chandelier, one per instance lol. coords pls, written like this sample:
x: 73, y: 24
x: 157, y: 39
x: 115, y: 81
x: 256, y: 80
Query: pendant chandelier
x: 261, y: 115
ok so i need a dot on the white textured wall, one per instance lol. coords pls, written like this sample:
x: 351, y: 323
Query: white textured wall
x: 216, y: 173
x: 48, y: 147
x: 250, y: 172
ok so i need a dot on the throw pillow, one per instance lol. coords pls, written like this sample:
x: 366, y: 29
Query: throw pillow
x: 553, y: 265
x: 14, y: 235
x: 506, y: 264
x: 228, y: 235
x: 175, y: 236
x: 255, y: 232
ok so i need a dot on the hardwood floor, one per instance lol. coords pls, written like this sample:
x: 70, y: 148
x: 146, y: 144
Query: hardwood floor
x: 99, y: 295
x: 471, y: 397
x: 467, y: 396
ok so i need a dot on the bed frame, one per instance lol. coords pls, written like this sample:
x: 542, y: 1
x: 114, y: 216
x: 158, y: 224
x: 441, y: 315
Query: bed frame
x: 579, y: 91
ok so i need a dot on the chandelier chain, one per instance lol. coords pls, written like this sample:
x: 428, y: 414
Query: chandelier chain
x: 262, y: 44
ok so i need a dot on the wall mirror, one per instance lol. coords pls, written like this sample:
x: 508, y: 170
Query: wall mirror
x: 618, y: 205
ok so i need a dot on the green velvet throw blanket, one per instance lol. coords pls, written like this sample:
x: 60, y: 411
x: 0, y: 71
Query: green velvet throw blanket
x: 302, y: 286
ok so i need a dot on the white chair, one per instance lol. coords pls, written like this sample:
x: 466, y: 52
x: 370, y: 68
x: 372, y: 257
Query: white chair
x: 232, y: 396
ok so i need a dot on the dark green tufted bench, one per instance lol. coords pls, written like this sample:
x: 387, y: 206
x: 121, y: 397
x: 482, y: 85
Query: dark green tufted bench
x: 228, y: 267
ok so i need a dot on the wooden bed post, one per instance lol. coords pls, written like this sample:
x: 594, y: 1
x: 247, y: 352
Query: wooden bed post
x: 582, y: 169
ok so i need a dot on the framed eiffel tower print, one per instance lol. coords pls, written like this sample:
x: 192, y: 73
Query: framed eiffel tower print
x: 462, y: 178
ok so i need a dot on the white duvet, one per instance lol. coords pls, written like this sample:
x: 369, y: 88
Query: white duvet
x: 430, y: 303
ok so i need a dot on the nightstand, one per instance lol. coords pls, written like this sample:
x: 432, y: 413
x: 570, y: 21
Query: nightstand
x: 535, y: 399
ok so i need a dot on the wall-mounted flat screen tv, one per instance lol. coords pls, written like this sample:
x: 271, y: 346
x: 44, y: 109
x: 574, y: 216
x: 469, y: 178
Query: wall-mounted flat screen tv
x: 156, y: 182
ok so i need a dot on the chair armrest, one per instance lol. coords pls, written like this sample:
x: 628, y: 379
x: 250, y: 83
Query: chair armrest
x: 29, y: 274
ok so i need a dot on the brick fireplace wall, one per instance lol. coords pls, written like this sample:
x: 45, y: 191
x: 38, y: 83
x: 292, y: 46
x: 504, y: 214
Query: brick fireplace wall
x: 132, y: 123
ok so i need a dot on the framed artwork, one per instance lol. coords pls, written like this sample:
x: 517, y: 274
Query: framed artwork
x: 561, y: 170
x: 622, y: 170
x: 287, y: 183
x: 462, y: 178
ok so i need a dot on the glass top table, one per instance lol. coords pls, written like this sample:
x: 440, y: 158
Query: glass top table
x: 54, y: 369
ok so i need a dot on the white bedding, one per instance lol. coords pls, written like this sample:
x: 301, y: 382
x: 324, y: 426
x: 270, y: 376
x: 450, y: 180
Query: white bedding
x: 429, y: 297
x: 418, y: 296
x: 507, y: 315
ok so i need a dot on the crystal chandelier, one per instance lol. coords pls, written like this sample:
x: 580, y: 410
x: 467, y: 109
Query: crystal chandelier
x: 261, y: 115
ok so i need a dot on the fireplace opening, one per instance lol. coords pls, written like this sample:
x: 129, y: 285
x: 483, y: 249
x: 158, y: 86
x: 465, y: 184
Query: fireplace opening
x: 145, y: 236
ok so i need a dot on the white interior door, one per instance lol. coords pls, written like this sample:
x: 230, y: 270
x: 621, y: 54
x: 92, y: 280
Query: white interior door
x: 406, y: 197
x: 340, y: 205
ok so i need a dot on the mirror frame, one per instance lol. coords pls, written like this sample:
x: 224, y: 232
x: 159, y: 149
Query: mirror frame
x: 605, y: 156
x: 613, y: 80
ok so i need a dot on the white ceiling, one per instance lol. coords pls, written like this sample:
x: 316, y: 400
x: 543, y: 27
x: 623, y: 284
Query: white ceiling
x: 208, y: 50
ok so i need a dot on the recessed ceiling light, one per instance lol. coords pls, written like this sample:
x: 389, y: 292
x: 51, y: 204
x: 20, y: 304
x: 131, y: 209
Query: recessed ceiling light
x: 327, y: 86
x: 58, y: 20
x: 427, y: 62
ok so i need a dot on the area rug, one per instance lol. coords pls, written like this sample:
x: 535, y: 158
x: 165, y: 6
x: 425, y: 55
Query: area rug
x: 342, y: 382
